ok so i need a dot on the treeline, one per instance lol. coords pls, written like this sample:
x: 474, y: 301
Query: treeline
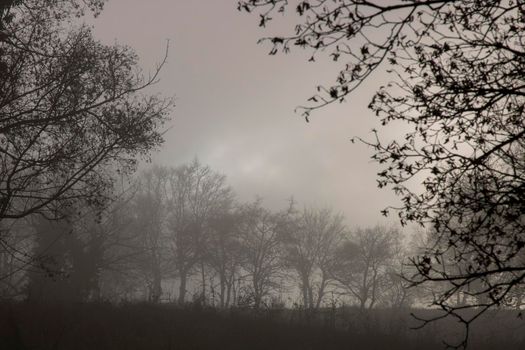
x: 179, y: 234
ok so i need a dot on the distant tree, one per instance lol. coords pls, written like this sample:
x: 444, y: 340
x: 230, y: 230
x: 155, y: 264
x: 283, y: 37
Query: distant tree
x: 68, y: 256
x: 224, y: 252
x: 120, y: 271
x: 458, y: 88
x: 196, y: 195
x: 262, y: 249
x: 50, y: 251
x: 366, y: 264
x: 69, y: 107
x: 396, y: 293
x: 94, y: 253
x: 312, y: 239
x: 150, y: 215
x: 15, y: 257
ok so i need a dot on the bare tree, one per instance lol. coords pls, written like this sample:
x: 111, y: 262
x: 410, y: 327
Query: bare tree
x: 150, y: 208
x: 69, y: 107
x: 196, y: 194
x: 365, y: 264
x: 224, y: 252
x: 263, y: 250
x: 121, y: 268
x: 311, y: 242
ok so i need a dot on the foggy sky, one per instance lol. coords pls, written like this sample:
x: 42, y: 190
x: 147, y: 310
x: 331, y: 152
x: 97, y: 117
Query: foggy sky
x: 235, y: 106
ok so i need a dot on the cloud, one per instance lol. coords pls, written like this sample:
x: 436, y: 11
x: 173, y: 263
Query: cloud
x: 234, y: 107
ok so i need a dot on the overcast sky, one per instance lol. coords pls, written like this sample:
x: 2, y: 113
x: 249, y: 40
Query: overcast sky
x: 235, y: 106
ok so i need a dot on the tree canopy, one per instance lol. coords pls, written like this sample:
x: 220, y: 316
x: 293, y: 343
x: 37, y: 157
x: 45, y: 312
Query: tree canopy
x: 70, y: 108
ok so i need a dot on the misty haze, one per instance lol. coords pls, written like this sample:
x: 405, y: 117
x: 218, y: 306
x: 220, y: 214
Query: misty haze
x: 262, y: 174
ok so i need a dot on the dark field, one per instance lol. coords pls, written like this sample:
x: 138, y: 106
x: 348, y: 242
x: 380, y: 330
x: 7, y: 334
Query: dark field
x: 145, y: 326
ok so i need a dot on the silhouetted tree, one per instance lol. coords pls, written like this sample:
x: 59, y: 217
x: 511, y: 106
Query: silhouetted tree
x: 458, y: 88
x: 196, y: 195
x: 365, y: 264
x: 118, y: 248
x: 262, y: 249
x: 224, y: 252
x: 79, y: 6
x: 312, y: 239
x: 69, y: 255
x: 69, y: 107
x: 150, y: 214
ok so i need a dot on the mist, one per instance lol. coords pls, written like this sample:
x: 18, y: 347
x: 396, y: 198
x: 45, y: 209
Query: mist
x: 262, y: 174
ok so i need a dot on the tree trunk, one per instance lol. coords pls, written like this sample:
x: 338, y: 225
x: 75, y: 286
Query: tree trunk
x: 203, y: 276
x: 362, y: 302
x: 304, y: 288
x: 310, y: 297
x: 156, y: 287
x: 182, y: 287
x: 229, y: 288
x: 320, y: 295
x: 256, y: 295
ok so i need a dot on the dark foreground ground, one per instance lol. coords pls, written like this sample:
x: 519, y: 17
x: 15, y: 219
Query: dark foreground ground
x: 152, y: 327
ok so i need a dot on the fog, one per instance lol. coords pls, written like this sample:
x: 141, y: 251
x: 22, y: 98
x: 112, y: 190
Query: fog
x: 262, y: 174
x: 235, y: 107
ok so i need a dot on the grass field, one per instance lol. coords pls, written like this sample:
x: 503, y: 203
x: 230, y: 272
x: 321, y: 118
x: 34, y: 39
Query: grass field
x: 166, y: 327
